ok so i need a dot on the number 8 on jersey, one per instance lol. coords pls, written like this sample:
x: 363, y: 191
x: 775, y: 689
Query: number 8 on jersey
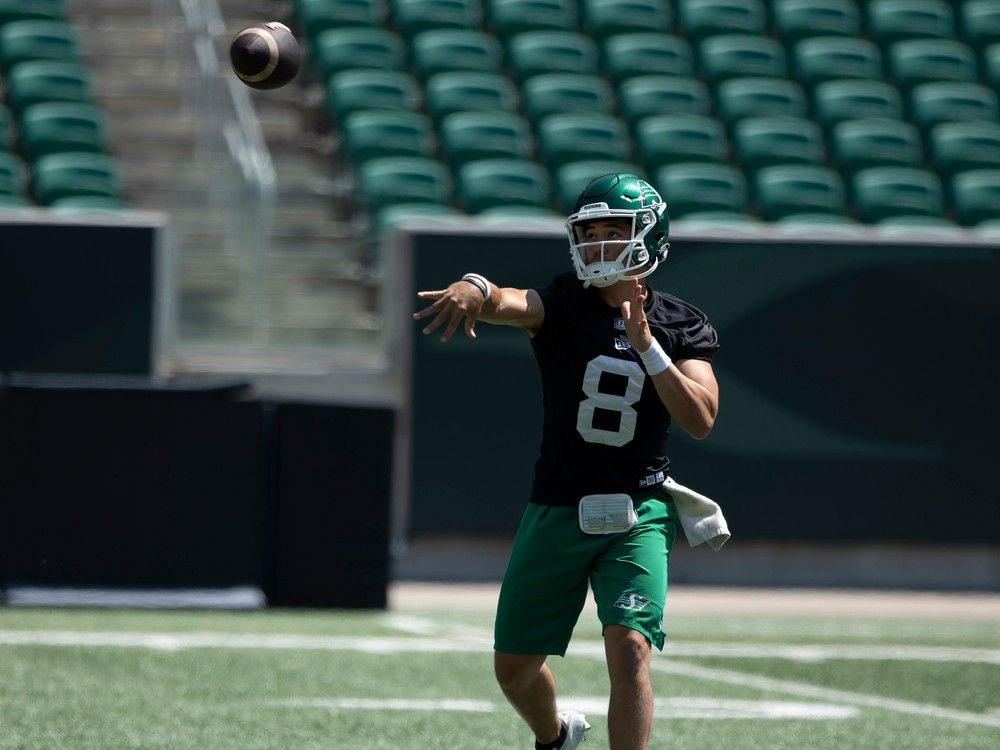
x: 612, y: 402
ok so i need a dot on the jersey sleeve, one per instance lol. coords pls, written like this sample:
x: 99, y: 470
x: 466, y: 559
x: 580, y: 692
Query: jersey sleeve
x: 553, y: 296
x: 694, y: 337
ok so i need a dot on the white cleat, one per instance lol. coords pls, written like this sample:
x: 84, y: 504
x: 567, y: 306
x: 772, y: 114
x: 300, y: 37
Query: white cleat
x: 576, y: 727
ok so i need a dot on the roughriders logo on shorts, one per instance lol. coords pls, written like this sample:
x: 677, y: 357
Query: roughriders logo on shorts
x: 633, y: 602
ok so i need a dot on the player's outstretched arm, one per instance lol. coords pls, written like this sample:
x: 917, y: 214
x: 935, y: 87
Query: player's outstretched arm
x: 465, y: 301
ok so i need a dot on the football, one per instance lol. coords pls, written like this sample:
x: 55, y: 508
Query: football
x: 265, y: 56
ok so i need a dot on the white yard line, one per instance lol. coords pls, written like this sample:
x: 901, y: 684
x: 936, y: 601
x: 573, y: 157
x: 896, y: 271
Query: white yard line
x: 437, y: 639
x: 389, y: 704
x: 178, y: 641
x: 409, y: 623
x: 806, y: 690
x: 589, y: 649
x: 428, y: 626
x: 825, y: 652
x: 666, y: 708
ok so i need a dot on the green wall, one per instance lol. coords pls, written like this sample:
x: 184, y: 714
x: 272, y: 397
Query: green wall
x: 858, y: 389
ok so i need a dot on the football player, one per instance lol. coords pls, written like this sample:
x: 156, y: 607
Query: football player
x: 619, y: 362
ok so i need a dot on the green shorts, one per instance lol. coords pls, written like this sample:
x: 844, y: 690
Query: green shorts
x: 552, y: 560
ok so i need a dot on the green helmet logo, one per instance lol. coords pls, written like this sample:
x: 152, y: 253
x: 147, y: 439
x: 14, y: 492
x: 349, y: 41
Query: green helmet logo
x: 618, y: 196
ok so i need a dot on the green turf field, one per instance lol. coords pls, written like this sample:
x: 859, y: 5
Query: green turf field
x: 423, y: 680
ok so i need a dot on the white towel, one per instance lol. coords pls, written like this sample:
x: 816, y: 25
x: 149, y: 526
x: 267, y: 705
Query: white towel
x: 701, y: 518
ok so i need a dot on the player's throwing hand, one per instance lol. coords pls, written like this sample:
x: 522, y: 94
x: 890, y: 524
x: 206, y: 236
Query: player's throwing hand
x: 636, y: 325
x: 451, y: 305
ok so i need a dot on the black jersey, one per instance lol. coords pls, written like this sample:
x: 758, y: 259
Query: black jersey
x: 605, y: 427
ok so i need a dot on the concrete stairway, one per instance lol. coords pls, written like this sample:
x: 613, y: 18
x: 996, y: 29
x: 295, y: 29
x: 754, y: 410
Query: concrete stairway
x: 317, y: 288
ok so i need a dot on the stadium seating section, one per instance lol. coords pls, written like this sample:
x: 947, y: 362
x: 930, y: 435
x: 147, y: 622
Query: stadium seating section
x: 52, y: 137
x: 799, y: 111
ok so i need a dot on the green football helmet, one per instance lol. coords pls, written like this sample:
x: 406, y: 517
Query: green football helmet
x: 614, y: 196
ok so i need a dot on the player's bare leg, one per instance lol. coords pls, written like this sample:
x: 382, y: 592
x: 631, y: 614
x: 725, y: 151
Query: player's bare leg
x: 530, y: 687
x: 630, y: 712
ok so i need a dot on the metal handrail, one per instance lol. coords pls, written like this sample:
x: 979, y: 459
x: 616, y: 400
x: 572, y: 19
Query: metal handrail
x: 247, y: 195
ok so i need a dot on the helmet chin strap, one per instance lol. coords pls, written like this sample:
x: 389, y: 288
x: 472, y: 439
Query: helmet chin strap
x: 621, y: 274
x: 652, y: 267
x: 602, y: 281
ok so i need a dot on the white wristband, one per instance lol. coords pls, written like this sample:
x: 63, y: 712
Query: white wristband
x: 480, y: 282
x: 655, y: 359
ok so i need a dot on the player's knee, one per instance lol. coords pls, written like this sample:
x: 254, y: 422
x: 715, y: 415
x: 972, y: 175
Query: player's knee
x: 514, y: 670
x: 628, y: 650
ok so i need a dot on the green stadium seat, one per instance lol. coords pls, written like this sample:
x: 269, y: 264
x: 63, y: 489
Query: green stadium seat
x: 31, y: 10
x: 444, y: 50
x: 566, y: 138
x: 960, y: 146
x: 9, y: 202
x: 670, y: 139
x: 828, y: 58
x: 521, y: 213
x: 692, y: 187
x: 468, y: 92
x: 891, y: 21
x: 40, y: 81
x: 510, y: 17
x: 934, y: 103
x: 391, y: 216
x: 880, y: 192
x: 316, y: 16
x: 413, y: 16
x: 915, y: 61
x: 795, y: 189
x: 571, y: 179
x: 52, y: 127
x: 355, y: 90
x: 991, y: 65
x: 605, y: 18
x: 859, y: 144
x: 473, y: 136
x: 336, y: 50
x: 643, y: 96
x: 536, y: 52
x: 6, y: 128
x: 12, y: 175
x: 990, y: 227
x: 57, y: 176
x: 721, y: 219
x: 502, y: 182
x: 766, y: 141
x: 410, y: 179
x: 739, y: 55
x: 90, y: 204
x: 699, y: 19
x: 795, y: 20
x: 981, y: 22
x: 976, y: 195
x: 812, y: 219
x: 903, y: 225
x: 759, y: 97
x: 836, y: 101
x: 557, y: 93
x: 22, y: 41
x: 377, y: 133
x: 647, y: 53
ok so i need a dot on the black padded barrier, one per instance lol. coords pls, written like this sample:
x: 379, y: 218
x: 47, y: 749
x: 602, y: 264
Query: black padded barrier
x: 77, y: 298
x: 139, y: 483
x: 127, y: 483
x: 334, y: 479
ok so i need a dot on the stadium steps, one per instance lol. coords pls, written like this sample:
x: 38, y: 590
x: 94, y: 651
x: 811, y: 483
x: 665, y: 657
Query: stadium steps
x: 318, y: 285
